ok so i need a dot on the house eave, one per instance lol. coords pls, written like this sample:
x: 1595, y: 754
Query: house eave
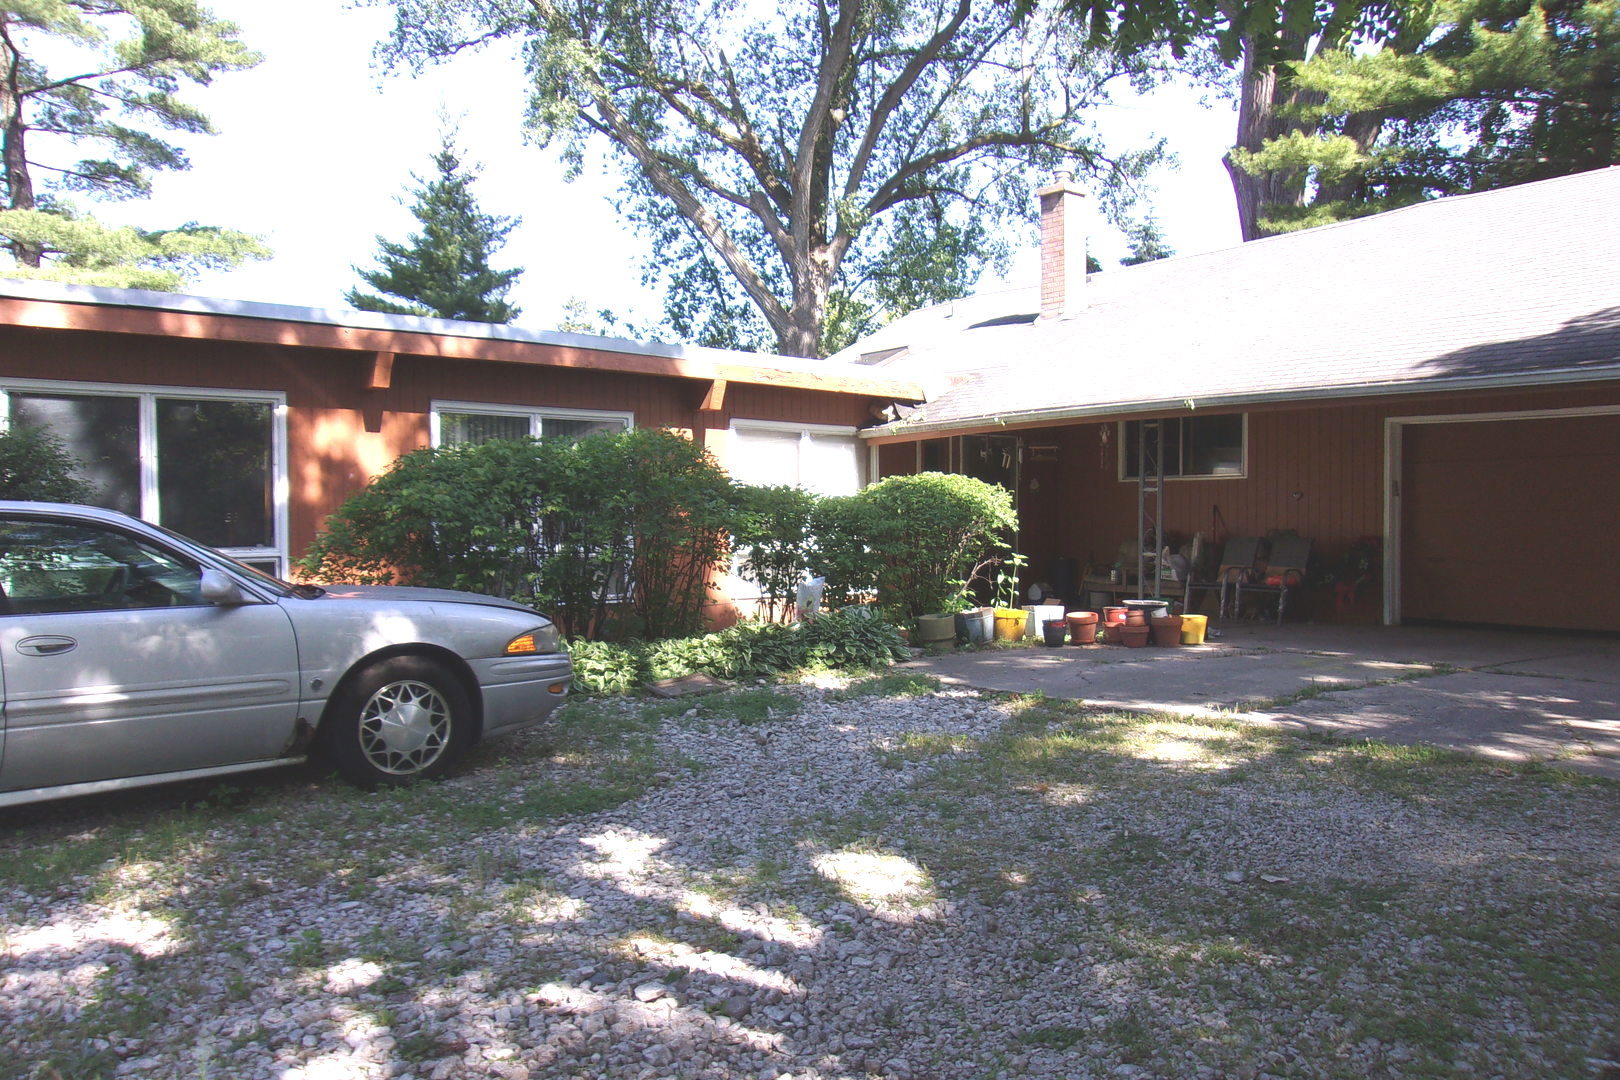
x: 55, y: 306
x: 904, y: 431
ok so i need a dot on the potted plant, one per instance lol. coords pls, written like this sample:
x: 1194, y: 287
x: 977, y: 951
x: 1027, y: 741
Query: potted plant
x: 1012, y: 621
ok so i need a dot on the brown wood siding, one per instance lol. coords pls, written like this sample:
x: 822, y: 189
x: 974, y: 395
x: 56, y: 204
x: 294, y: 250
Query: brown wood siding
x: 340, y: 433
x: 1318, y: 470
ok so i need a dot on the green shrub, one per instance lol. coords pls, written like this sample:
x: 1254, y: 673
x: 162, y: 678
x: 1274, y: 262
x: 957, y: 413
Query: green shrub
x: 852, y: 639
x: 35, y: 466
x: 839, y: 526
x: 603, y: 667
x: 773, y: 538
x: 748, y: 650
x: 566, y: 526
x: 914, y: 540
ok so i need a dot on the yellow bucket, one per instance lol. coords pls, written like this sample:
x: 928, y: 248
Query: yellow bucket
x: 1192, y: 629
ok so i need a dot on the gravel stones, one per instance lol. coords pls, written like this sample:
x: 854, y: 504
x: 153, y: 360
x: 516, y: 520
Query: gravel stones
x: 821, y: 897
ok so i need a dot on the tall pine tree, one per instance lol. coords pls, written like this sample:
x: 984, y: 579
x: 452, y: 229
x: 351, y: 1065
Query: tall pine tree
x: 444, y: 270
x: 103, y: 78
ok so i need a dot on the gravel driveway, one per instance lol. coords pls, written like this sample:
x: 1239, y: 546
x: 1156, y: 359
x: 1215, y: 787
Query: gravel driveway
x: 806, y: 882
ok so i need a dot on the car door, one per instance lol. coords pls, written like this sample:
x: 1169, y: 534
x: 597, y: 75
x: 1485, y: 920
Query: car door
x: 114, y: 665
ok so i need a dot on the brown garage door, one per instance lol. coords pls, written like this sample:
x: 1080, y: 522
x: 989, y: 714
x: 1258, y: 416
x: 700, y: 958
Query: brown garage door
x: 1512, y: 522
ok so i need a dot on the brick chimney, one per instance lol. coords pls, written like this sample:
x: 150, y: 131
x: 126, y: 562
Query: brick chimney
x: 1063, y: 246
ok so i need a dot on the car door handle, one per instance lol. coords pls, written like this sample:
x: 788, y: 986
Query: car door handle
x: 46, y: 646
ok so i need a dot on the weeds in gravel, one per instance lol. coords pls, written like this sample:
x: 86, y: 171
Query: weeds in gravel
x: 1217, y: 862
x: 900, y: 684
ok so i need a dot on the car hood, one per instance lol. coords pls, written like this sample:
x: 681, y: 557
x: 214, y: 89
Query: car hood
x: 387, y: 593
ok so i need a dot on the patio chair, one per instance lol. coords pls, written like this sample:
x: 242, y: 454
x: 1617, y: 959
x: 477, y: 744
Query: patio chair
x: 1239, y: 562
x: 1285, y: 571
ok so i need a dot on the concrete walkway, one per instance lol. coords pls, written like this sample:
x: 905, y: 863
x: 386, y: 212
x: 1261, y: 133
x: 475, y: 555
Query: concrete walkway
x: 1512, y: 695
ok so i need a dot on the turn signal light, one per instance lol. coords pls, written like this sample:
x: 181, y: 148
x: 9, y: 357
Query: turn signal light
x: 520, y: 645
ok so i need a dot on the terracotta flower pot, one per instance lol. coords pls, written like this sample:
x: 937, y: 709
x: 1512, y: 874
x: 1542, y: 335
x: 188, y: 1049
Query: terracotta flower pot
x: 1135, y: 617
x: 1167, y: 630
x: 1134, y: 637
x: 1083, y: 627
x: 1113, y: 616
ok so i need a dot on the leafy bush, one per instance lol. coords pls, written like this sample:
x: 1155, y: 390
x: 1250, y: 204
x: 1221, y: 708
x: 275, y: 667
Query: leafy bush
x: 773, y: 538
x: 851, y: 639
x: 605, y: 667
x: 839, y: 525
x: 913, y: 539
x: 566, y: 526
x: 747, y: 650
x: 34, y: 465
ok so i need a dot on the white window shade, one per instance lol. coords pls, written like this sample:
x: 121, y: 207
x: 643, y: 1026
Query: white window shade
x: 825, y: 460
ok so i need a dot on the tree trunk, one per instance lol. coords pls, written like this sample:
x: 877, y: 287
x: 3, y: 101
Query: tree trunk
x: 19, y: 185
x: 1265, y: 93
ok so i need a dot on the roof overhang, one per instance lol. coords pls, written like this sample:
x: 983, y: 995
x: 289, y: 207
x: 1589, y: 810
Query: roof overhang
x: 907, y: 431
x: 379, y: 338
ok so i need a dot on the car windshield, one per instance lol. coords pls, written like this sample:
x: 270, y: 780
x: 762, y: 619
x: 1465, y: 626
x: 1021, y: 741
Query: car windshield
x: 269, y: 581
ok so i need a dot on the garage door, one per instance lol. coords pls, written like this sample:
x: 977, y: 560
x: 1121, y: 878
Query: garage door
x: 1512, y: 522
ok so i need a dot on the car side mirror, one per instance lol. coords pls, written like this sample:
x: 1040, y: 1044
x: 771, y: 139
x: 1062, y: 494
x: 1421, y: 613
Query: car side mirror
x: 216, y: 587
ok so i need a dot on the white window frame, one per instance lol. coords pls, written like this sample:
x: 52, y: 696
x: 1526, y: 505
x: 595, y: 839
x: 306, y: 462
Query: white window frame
x: 1122, y: 426
x: 146, y: 396
x: 536, y: 415
x: 863, y: 462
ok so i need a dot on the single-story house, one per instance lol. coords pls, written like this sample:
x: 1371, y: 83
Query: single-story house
x: 246, y: 424
x: 1443, y: 378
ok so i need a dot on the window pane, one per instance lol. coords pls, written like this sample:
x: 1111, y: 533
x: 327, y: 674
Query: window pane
x: 764, y: 456
x: 51, y: 567
x: 1172, y: 449
x: 470, y: 429
x: 1214, y: 445
x: 832, y: 465
x: 575, y: 430
x: 213, y: 462
x: 102, y: 432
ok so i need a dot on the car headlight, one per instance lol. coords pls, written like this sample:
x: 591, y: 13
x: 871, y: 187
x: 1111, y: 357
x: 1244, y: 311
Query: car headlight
x: 541, y: 640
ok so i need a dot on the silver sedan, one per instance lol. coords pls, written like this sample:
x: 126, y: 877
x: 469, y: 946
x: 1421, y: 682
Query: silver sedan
x: 130, y: 655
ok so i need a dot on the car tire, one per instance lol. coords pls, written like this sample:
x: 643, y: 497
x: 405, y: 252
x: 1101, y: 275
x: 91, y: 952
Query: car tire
x: 398, y: 721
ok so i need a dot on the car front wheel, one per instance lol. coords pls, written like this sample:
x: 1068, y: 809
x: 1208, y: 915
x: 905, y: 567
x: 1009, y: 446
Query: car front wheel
x: 400, y: 720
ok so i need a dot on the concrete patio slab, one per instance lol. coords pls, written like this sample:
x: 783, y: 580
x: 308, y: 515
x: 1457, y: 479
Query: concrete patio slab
x: 1512, y: 717
x: 1513, y: 695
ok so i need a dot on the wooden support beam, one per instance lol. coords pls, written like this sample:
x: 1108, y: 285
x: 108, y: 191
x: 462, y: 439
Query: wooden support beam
x: 382, y: 371
x: 715, y: 399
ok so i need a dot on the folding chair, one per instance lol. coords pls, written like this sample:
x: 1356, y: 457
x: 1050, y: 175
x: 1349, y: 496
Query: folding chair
x: 1285, y: 571
x: 1238, y: 562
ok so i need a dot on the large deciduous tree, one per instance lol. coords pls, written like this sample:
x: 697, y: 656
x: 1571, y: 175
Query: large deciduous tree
x: 840, y: 158
x: 444, y: 270
x: 105, y: 75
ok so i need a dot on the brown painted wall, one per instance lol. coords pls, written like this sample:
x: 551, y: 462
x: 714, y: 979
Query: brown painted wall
x: 340, y: 433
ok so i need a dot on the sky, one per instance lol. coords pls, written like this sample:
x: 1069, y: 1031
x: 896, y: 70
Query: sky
x: 317, y: 145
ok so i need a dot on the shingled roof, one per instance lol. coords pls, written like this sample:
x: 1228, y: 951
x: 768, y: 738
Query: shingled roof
x: 1512, y: 287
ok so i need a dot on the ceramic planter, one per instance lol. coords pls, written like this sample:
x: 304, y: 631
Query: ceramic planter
x: 1083, y: 627
x: 1134, y: 637
x: 935, y: 629
x: 1166, y: 630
